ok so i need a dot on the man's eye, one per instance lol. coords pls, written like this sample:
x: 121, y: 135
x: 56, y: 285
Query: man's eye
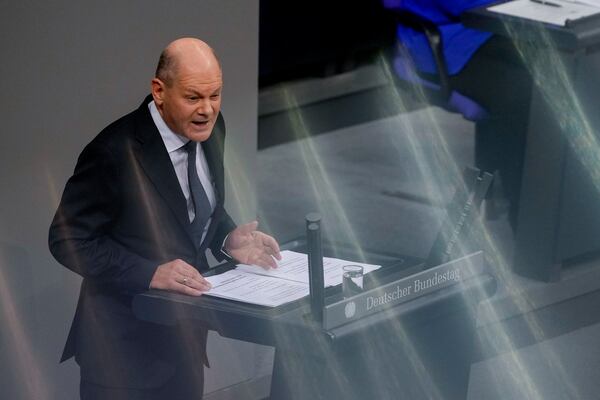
x: 215, y: 96
x: 192, y: 98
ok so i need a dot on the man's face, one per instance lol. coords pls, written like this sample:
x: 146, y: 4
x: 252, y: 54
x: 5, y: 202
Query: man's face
x: 190, y: 106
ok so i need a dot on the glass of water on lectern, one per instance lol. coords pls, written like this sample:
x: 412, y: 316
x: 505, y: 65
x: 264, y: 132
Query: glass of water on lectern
x: 352, y: 280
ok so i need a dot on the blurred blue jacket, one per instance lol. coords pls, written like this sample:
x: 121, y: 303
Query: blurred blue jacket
x: 459, y: 43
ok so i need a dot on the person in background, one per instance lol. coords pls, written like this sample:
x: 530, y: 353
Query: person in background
x: 485, y: 68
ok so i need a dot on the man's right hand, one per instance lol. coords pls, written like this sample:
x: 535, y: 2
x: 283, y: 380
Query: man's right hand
x: 180, y: 277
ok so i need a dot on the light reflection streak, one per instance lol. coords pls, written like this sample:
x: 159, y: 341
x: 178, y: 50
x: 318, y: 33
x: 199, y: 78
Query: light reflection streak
x: 33, y: 383
x: 325, y: 195
x: 321, y: 184
x: 240, y: 185
x: 501, y: 339
x: 145, y: 202
x: 77, y: 261
x: 438, y: 168
x: 553, y: 80
x: 323, y: 191
x: 26, y: 365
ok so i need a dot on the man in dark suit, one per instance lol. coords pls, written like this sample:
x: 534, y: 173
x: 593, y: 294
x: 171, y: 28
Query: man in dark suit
x: 143, y: 205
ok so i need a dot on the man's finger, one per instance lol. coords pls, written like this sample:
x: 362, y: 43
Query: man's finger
x: 193, y: 272
x: 195, y: 282
x: 264, y: 261
x: 190, y: 291
x: 185, y: 270
x: 203, y: 283
x: 273, y: 246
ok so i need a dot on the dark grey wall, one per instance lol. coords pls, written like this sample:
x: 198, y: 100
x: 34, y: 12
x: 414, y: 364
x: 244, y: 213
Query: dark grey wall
x: 68, y: 69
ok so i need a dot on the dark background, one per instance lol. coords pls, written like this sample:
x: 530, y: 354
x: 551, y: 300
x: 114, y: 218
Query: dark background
x: 319, y: 38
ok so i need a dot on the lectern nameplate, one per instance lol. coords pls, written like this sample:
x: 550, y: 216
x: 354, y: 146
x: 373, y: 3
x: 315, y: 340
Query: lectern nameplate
x: 403, y: 290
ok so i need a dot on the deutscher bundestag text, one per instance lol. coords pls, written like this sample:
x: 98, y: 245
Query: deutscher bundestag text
x: 418, y: 285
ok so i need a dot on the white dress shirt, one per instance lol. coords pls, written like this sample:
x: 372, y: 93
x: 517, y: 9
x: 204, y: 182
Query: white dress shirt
x: 175, y: 147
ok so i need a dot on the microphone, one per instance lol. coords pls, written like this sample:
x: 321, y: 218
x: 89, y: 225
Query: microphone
x: 315, y: 265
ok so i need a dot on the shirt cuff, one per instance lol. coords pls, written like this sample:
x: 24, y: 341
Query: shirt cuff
x: 223, y: 251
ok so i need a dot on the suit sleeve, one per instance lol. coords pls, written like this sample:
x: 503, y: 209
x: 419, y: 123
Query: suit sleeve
x: 217, y: 244
x: 79, y: 236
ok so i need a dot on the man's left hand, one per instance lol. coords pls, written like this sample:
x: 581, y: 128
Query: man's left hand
x: 249, y: 246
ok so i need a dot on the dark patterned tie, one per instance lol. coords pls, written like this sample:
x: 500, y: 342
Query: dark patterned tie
x: 202, y: 208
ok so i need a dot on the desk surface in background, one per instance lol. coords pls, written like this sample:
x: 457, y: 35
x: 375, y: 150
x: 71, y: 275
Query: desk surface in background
x: 559, y: 217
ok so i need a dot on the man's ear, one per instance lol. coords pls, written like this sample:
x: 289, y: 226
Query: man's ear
x: 158, y: 91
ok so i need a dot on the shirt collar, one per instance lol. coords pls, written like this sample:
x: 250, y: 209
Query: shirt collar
x: 172, y: 140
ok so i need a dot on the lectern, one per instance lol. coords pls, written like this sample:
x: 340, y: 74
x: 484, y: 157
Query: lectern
x: 408, y: 336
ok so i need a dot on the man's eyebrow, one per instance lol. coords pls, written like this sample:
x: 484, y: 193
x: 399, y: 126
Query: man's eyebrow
x: 196, y: 90
x: 191, y: 91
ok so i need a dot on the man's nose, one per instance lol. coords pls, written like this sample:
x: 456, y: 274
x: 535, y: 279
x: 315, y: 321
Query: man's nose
x: 204, y: 107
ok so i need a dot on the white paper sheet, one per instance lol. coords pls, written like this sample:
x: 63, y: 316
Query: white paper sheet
x: 274, y: 287
x: 294, y: 266
x: 547, y: 13
x: 255, y: 289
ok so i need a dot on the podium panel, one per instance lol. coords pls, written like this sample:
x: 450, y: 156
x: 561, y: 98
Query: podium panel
x: 422, y: 351
x: 418, y: 349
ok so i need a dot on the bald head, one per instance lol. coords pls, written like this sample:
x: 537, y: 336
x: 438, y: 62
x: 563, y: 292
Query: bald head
x: 185, y: 53
x: 187, y: 88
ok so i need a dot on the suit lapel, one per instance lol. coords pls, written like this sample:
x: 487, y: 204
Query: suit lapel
x: 156, y: 163
x: 213, y: 151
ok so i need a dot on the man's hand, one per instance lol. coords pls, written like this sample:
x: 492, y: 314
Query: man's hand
x: 249, y: 246
x: 180, y: 277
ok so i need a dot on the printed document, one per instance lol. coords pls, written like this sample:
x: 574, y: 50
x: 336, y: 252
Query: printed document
x: 555, y: 12
x: 255, y: 289
x: 273, y: 287
x: 294, y: 266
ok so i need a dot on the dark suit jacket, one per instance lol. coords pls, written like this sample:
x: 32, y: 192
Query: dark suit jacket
x: 121, y: 215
